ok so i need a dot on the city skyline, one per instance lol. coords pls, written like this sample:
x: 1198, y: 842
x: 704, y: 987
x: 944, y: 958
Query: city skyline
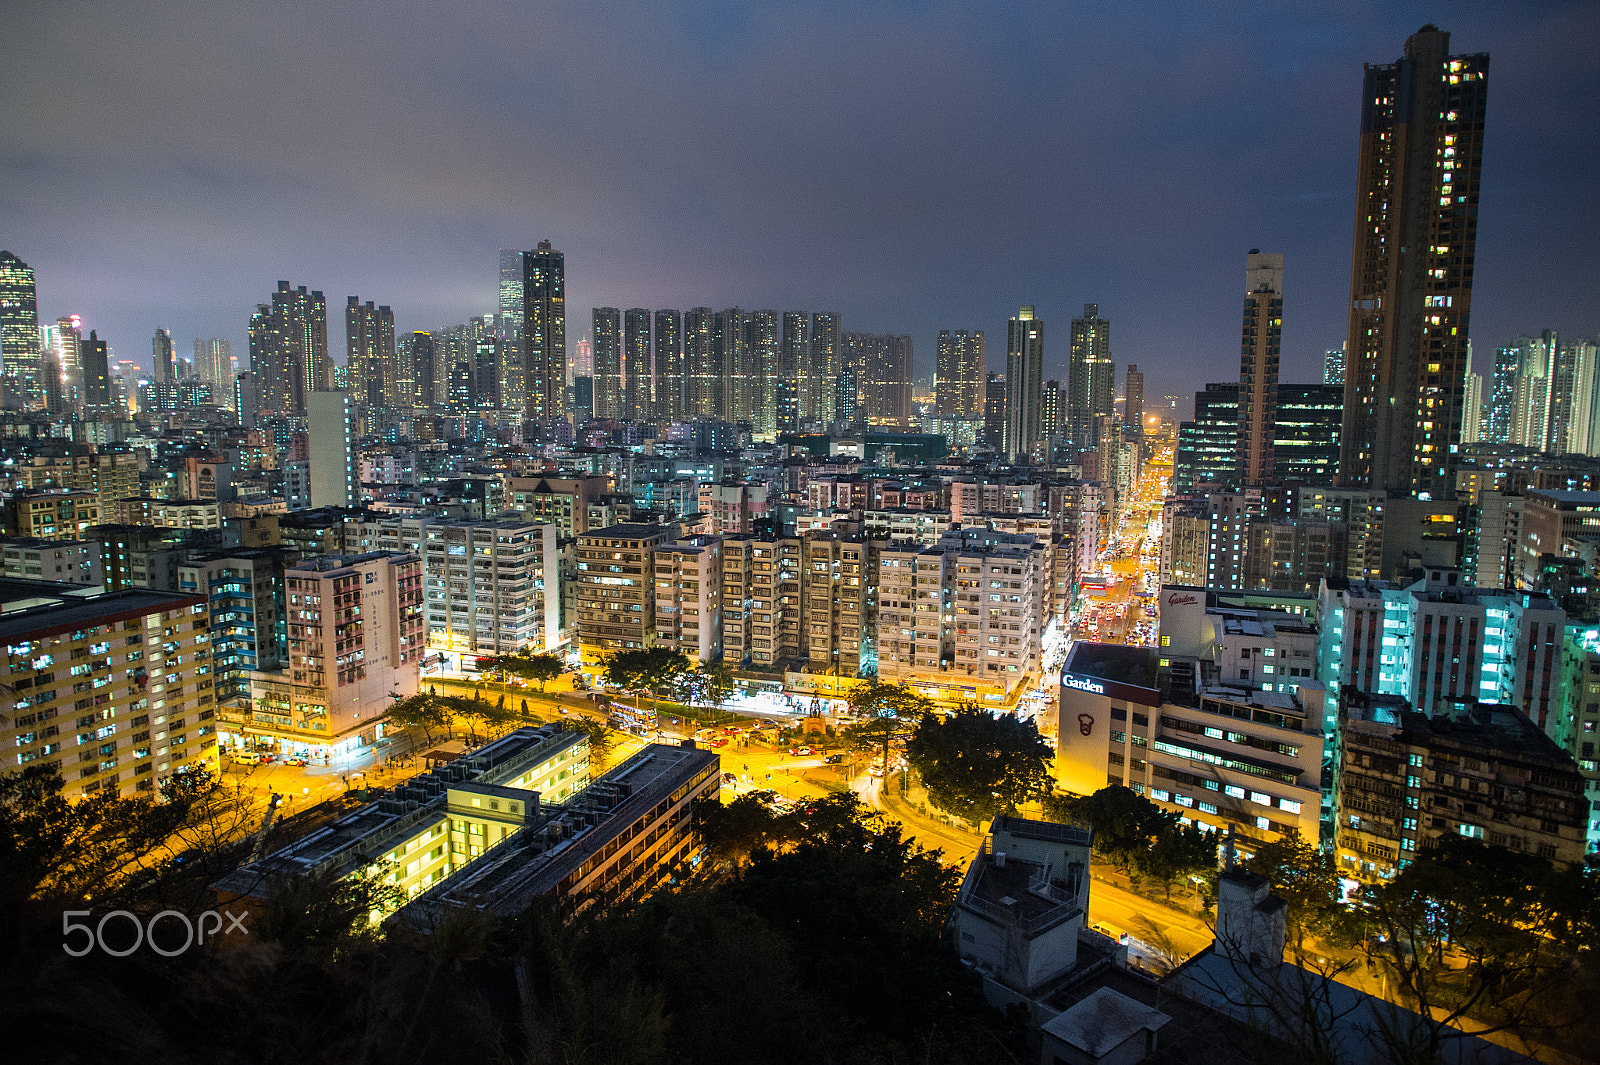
x: 1129, y: 206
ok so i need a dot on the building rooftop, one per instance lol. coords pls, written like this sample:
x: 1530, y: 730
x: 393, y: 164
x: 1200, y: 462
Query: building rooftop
x: 630, y: 532
x: 1116, y: 662
x: 34, y: 609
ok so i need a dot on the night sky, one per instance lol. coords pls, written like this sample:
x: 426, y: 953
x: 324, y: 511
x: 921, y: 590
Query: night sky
x: 914, y: 166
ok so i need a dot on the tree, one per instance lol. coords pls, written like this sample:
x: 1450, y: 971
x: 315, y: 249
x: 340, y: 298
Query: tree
x: 646, y: 670
x: 1470, y: 930
x: 426, y: 712
x: 599, y: 735
x: 59, y: 850
x: 891, y: 710
x: 1125, y: 825
x: 976, y: 764
x: 1177, y: 852
x: 1307, y: 880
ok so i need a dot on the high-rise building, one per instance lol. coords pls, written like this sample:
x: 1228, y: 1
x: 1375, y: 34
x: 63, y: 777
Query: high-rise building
x: 669, y: 365
x: 703, y: 389
x: 508, y: 326
x: 96, y: 379
x: 512, y: 270
x: 544, y: 334
x: 994, y: 410
x: 1259, y: 348
x: 333, y: 476
x: 958, y: 374
x: 762, y: 347
x: 1583, y: 427
x: 213, y: 364
x: 1411, y: 276
x: 638, y: 370
x: 1091, y: 377
x: 19, y: 333
x: 1305, y: 441
x: 1472, y: 408
x: 1024, y: 383
x: 793, y: 346
x: 1502, y: 394
x: 609, y: 397
x: 164, y: 370
x: 370, y: 354
x: 424, y: 369
x: 821, y: 374
x: 289, y: 348
x: 1133, y: 402
x: 884, y: 374
x: 1333, y: 366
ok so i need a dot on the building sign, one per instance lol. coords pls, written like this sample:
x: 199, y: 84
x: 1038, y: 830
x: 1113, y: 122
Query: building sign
x: 1111, y: 689
x: 1183, y: 599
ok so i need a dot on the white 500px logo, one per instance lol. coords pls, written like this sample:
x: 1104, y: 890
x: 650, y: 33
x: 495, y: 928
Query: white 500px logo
x: 194, y: 928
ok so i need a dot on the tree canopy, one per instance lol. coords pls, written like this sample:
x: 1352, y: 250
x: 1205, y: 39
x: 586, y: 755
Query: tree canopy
x: 976, y: 764
x: 1125, y: 824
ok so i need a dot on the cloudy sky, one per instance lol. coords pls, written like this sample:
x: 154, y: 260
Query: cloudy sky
x: 915, y: 166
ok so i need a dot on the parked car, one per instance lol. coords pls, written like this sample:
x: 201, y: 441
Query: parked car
x: 296, y: 760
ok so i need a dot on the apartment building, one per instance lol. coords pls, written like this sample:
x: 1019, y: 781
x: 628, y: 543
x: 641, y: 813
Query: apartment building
x: 50, y: 514
x: 170, y: 513
x: 731, y: 506
x: 761, y: 601
x: 490, y: 587
x: 1472, y: 769
x: 1170, y: 729
x: 245, y: 598
x: 1437, y: 640
x: 837, y: 585
x: 65, y: 561
x: 616, y: 589
x: 113, y: 690
x: 961, y: 620
x: 356, y: 638
x: 563, y: 501
x: 689, y: 578
x: 1550, y: 518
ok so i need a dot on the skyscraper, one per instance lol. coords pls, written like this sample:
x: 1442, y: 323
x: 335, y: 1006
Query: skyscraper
x: 1091, y: 377
x: 426, y: 375
x: 96, y: 380
x: 1411, y: 275
x: 163, y: 369
x: 1024, y: 383
x: 883, y: 368
x: 638, y: 376
x: 792, y: 350
x: 19, y: 333
x: 333, y: 478
x: 213, y: 364
x: 1502, y: 394
x: 669, y: 365
x: 1472, y: 408
x: 761, y: 345
x: 1259, y: 348
x: 544, y: 334
x: 703, y: 391
x: 370, y: 355
x: 289, y: 348
x: 1133, y: 402
x: 994, y: 410
x: 609, y: 399
x: 822, y: 374
x: 68, y: 344
x: 958, y: 374
x: 1333, y: 366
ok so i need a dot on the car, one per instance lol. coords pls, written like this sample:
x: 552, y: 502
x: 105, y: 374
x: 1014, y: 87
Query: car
x: 266, y: 757
x: 296, y: 760
x: 730, y: 779
x: 246, y: 757
x: 718, y: 742
x: 801, y: 751
x: 833, y: 759
x: 732, y: 730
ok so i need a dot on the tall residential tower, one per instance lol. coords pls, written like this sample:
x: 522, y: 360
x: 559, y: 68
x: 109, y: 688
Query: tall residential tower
x: 1411, y: 274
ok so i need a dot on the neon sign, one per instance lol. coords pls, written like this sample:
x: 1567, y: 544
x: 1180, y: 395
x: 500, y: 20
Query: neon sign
x: 1083, y: 684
